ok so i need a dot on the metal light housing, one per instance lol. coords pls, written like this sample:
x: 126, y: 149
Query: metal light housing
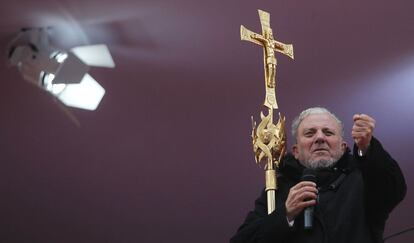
x: 64, y: 74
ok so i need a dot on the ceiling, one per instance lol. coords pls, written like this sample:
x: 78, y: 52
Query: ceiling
x: 167, y: 155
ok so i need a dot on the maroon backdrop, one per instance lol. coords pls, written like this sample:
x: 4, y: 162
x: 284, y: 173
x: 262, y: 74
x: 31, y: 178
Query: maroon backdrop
x: 167, y: 155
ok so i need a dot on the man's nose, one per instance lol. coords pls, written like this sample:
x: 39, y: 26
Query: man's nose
x: 320, y: 137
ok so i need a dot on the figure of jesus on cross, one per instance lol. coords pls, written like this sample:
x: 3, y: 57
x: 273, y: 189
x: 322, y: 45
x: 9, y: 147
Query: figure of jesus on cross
x: 270, y: 45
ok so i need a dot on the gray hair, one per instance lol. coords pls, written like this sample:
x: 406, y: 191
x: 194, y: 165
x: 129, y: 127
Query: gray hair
x: 310, y: 111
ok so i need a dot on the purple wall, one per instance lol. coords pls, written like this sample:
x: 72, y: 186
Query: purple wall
x: 167, y: 155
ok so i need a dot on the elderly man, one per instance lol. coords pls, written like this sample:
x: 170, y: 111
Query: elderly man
x: 351, y: 197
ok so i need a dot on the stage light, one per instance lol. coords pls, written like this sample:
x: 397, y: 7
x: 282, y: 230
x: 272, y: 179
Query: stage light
x: 64, y: 74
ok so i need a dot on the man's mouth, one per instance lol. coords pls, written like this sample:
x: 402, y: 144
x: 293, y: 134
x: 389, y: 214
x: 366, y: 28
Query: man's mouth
x: 320, y: 150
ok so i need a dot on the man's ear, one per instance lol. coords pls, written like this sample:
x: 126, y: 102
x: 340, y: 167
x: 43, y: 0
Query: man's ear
x: 295, y: 151
x: 344, y: 145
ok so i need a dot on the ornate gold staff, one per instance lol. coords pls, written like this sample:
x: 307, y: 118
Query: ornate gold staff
x: 269, y: 140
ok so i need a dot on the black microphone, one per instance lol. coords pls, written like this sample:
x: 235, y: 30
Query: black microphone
x: 308, y: 175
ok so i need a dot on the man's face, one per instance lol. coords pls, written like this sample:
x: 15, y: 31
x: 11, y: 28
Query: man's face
x: 319, y: 141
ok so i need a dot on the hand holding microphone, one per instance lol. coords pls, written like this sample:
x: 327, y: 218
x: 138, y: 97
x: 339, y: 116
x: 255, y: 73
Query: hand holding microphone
x: 301, y: 196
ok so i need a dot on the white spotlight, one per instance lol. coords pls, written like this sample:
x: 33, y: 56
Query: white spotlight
x: 63, y: 74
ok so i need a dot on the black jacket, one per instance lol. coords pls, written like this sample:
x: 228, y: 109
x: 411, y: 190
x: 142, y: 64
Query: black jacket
x: 355, y: 199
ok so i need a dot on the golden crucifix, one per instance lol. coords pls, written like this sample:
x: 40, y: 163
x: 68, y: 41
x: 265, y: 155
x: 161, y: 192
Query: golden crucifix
x: 269, y: 140
x: 270, y: 45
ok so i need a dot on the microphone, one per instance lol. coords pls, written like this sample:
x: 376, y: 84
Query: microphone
x: 308, y: 175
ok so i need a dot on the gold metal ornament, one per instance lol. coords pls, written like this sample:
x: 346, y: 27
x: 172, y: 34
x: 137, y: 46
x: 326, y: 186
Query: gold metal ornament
x: 269, y: 139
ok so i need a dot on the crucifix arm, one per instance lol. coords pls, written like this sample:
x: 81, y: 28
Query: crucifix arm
x: 259, y: 38
x: 246, y: 35
x: 286, y: 49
